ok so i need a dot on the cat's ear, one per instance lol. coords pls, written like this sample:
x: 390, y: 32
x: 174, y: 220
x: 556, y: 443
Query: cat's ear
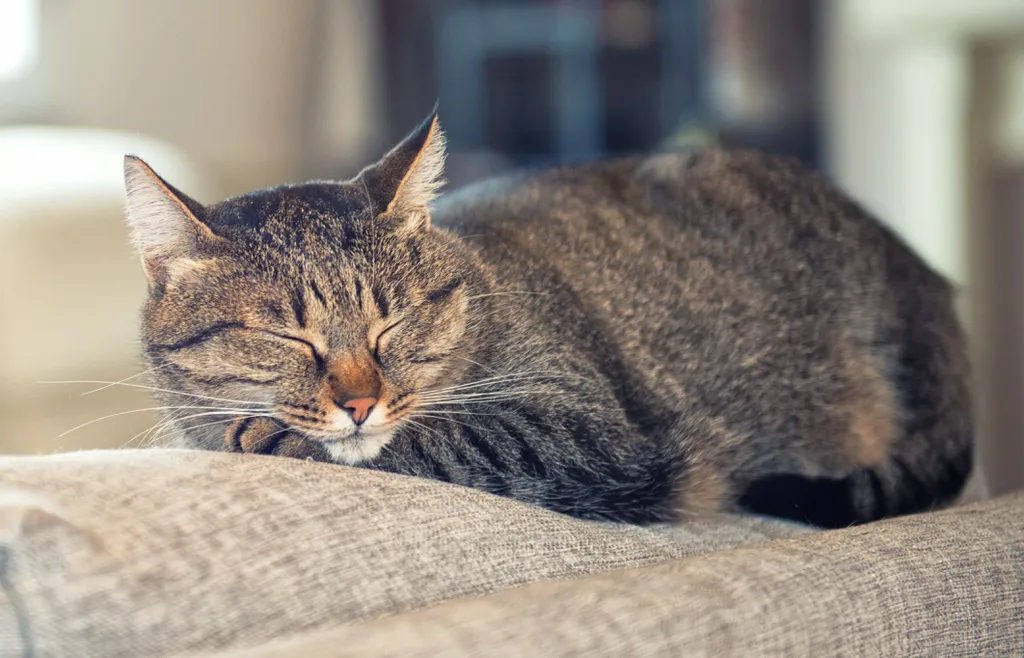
x: 405, y: 181
x: 166, y: 225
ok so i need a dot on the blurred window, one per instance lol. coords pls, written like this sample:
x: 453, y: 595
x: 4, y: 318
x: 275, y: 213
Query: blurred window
x: 19, y: 42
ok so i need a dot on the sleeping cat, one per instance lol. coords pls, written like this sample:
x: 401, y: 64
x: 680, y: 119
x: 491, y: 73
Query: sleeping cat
x: 638, y: 340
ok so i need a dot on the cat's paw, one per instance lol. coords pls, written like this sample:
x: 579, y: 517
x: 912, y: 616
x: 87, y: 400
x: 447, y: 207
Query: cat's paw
x: 293, y: 445
x: 253, y: 435
x: 266, y: 436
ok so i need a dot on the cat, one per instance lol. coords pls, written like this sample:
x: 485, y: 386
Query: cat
x: 640, y: 340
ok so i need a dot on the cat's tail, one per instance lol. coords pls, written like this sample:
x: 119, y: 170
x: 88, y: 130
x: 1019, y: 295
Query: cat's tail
x: 929, y: 462
x: 646, y: 488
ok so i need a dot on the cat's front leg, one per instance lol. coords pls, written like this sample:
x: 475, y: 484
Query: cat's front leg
x: 266, y: 436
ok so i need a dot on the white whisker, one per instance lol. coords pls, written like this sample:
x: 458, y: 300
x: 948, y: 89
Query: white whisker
x: 138, y: 374
x: 478, y: 364
x: 498, y: 379
x: 167, y: 419
x: 424, y: 428
x: 169, y: 422
x: 468, y: 403
x: 155, y: 427
x: 478, y: 397
x: 158, y: 390
x: 445, y: 418
x: 458, y: 411
x: 136, y: 411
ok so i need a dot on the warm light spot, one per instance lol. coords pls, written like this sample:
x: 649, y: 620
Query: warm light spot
x: 19, y: 37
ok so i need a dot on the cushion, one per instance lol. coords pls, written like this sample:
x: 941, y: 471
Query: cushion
x: 154, y: 552
x: 942, y: 584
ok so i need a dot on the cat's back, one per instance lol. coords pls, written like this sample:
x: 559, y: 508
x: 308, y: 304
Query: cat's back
x: 724, y: 268
x: 736, y: 213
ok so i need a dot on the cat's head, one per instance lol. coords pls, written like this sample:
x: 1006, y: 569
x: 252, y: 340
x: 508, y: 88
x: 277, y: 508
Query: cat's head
x: 332, y: 306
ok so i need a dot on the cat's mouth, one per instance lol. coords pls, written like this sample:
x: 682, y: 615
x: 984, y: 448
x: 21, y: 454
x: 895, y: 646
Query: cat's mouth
x: 332, y: 436
x: 338, y: 426
x: 358, y: 446
x: 348, y: 442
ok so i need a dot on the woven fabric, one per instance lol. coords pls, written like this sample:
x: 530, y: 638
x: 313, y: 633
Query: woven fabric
x: 156, y: 552
x: 942, y: 584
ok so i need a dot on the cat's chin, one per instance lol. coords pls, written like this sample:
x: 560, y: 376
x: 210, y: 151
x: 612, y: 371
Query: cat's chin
x: 357, y: 448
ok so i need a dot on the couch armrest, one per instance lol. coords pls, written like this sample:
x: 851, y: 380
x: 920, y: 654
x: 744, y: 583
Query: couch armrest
x: 155, y: 552
x: 943, y: 584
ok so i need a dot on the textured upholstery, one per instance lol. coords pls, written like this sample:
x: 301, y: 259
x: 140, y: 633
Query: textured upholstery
x: 155, y: 553
x: 143, y: 553
x: 943, y: 584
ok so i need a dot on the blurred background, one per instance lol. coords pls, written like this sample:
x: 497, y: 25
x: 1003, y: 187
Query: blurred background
x: 915, y: 107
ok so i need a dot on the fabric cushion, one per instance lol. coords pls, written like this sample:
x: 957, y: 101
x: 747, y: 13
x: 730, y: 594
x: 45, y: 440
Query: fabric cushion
x: 943, y: 584
x: 154, y: 552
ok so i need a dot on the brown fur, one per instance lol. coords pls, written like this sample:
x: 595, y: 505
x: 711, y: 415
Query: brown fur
x: 354, y: 378
x: 872, y: 413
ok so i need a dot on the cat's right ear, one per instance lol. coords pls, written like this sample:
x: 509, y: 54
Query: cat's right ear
x: 407, y: 179
x: 166, y: 225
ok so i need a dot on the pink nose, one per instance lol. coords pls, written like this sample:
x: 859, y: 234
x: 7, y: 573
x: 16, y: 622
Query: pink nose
x: 360, y: 408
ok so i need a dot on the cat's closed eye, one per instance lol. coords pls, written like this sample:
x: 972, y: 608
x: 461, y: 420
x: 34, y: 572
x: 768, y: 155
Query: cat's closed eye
x: 445, y: 291
x: 310, y: 347
x: 382, y: 334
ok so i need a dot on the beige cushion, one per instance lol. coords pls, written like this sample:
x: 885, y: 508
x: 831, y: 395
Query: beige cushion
x: 149, y: 553
x: 943, y: 584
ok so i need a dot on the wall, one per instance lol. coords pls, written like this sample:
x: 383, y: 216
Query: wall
x: 258, y: 91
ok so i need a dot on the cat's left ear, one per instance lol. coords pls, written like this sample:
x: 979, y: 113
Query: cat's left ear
x: 404, y: 182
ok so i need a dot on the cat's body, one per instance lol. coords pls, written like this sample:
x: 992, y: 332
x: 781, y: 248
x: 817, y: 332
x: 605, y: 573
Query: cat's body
x: 633, y: 340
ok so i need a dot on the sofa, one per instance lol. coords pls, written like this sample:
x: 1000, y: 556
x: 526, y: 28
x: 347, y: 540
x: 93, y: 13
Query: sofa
x: 163, y: 552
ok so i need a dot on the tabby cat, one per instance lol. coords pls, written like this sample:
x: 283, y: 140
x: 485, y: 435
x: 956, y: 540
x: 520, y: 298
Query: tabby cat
x: 638, y: 340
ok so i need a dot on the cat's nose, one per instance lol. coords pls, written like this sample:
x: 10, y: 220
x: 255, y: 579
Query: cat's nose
x: 360, y: 408
x: 355, y: 385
